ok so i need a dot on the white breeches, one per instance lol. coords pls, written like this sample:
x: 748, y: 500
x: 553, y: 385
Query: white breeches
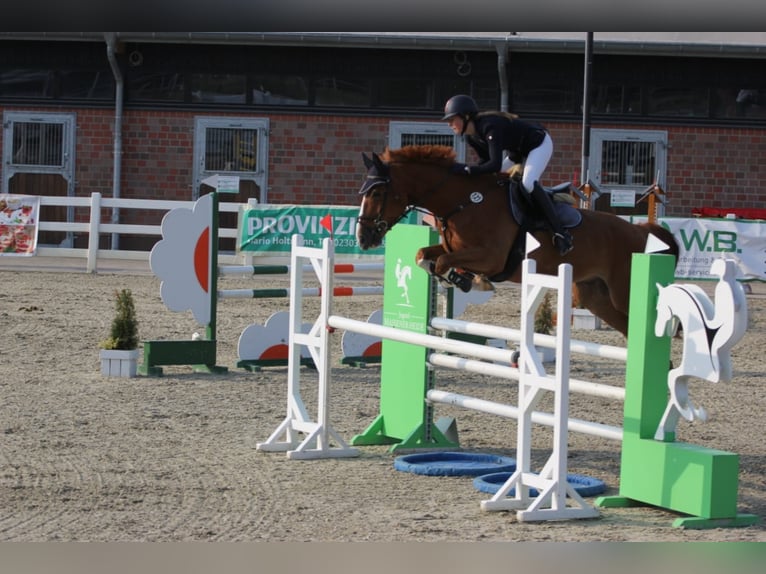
x: 536, y: 162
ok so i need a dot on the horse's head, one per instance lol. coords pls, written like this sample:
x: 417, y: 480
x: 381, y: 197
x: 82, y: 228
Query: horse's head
x: 381, y: 206
x: 665, y: 325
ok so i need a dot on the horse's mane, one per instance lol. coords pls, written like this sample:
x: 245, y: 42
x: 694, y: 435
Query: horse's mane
x: 435, y: 154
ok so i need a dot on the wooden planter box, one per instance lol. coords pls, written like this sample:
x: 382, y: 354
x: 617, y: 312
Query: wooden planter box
x: 584, y: 319
x: 546, y: 354
x: 119, y: 363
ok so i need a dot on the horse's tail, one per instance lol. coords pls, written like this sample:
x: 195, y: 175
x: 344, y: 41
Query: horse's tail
x: 665, y: 235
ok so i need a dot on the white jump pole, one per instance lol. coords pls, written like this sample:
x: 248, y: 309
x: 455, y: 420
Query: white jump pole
x: 540, y: 340
x: 512, y: 412
x: 511, y: 373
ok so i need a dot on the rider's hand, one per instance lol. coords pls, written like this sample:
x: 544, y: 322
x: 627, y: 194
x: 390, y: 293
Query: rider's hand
x: 460, y: 168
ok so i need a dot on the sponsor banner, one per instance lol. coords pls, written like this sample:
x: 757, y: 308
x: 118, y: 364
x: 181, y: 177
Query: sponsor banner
x: 268, y: 229
x: 19, y: 215
x: 702, y: 241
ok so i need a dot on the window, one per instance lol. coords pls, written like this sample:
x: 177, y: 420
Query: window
x: 739, y: 103
x: 550, y: 98
x: 343, y: 91
x: 23, y: 83
x: 688, y: 102
x: 38, y: 144
x: 231, y: 150
x: 86, y: 85
x: 406, y: 93
x: 425, y: 133
x: 616, y: 99
x: 219, y: 88
x: 155, y: 86
x: 280, y: 90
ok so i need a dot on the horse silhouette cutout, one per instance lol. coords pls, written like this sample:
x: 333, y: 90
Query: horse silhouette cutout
x: 709, y: 332
x: 403, y: 275
x: 480, y: 236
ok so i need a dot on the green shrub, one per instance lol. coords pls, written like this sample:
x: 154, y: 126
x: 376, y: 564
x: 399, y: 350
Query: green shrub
x: 544, y: 316
x: 124, y: 332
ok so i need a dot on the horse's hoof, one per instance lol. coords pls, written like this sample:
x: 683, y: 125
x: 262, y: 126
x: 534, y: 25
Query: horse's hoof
x: 462, y: 281
x: 443, y: 282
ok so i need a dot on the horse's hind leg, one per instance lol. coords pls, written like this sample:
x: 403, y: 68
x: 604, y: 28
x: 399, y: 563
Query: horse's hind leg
x: 593, y: 294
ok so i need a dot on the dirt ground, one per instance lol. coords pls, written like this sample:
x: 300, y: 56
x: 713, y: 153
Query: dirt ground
x: 85, y: 457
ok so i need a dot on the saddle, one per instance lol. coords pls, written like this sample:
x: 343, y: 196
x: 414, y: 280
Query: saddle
x: 530, y: 219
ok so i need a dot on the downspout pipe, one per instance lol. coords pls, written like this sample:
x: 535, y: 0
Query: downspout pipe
x: 586, y: 104
x: 502, y: 73
x: 111, y: 44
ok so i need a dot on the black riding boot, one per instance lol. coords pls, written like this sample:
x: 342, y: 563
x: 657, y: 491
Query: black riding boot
x: 561, y: 237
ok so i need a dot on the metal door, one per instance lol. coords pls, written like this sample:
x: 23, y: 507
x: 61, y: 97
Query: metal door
x: 38, y: 159
x: 237, y: 147
x: 425, y: 133
x: 624, y: 164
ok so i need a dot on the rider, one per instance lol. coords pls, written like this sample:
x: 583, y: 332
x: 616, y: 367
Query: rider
x: 492, y: 133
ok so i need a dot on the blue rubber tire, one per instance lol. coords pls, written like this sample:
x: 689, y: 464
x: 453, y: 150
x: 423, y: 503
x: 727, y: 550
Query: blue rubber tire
x: 584, y: 485
x: 454, y: 463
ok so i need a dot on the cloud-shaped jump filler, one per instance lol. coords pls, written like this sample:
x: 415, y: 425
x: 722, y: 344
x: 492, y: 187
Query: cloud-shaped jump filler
x: 181, y: 259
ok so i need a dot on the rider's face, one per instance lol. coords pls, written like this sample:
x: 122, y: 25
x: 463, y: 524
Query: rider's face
x: 456, y: 124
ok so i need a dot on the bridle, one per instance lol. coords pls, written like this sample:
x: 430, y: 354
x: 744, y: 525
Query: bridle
x: 377, y: 222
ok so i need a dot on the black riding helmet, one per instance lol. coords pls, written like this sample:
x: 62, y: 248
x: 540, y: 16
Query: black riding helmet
x: 460, y: 105
x: 463, y: 106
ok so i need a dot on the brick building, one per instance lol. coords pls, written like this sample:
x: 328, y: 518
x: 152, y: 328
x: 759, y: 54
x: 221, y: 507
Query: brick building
x: 149, y: 115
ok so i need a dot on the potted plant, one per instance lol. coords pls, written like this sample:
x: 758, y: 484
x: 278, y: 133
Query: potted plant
x: 119, y: 352
x: 582, y: 318
x: 544, y: 324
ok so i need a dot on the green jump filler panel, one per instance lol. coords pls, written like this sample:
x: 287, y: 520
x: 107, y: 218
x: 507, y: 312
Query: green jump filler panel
x: 688, y: 479
x: 409, y: 297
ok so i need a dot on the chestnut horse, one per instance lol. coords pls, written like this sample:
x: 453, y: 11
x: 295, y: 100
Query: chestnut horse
x: 479, y: 233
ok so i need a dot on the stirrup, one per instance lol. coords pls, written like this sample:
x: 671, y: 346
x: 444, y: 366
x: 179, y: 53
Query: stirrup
x: 563, y: 242
x: 462, y: 281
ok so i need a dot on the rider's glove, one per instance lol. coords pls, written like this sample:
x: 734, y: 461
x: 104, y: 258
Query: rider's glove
x: 461, y: 168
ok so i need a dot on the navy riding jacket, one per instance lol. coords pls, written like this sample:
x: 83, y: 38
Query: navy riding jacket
x: 496, y: 133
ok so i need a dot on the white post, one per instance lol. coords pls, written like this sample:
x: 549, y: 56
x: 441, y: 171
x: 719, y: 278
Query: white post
x: 93, y: 237
x: 321, y: 440
x: 551, y: 481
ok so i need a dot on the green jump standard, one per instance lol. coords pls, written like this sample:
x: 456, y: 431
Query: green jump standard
x: 405, y: 418
x: 680, y: 477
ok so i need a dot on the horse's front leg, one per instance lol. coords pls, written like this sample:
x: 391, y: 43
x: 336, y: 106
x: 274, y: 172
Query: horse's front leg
x: 679, y: 405
x: 458, y: 268
x: 482, y: 260
x: 426, y: 257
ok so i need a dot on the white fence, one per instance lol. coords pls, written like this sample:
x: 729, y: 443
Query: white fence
x: 700, y: 240
x: 94, y: 227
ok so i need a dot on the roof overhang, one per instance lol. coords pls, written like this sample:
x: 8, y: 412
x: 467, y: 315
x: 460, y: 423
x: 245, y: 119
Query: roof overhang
x: 700, y: 44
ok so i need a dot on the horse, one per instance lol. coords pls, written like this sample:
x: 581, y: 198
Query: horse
x: 480, y: 233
